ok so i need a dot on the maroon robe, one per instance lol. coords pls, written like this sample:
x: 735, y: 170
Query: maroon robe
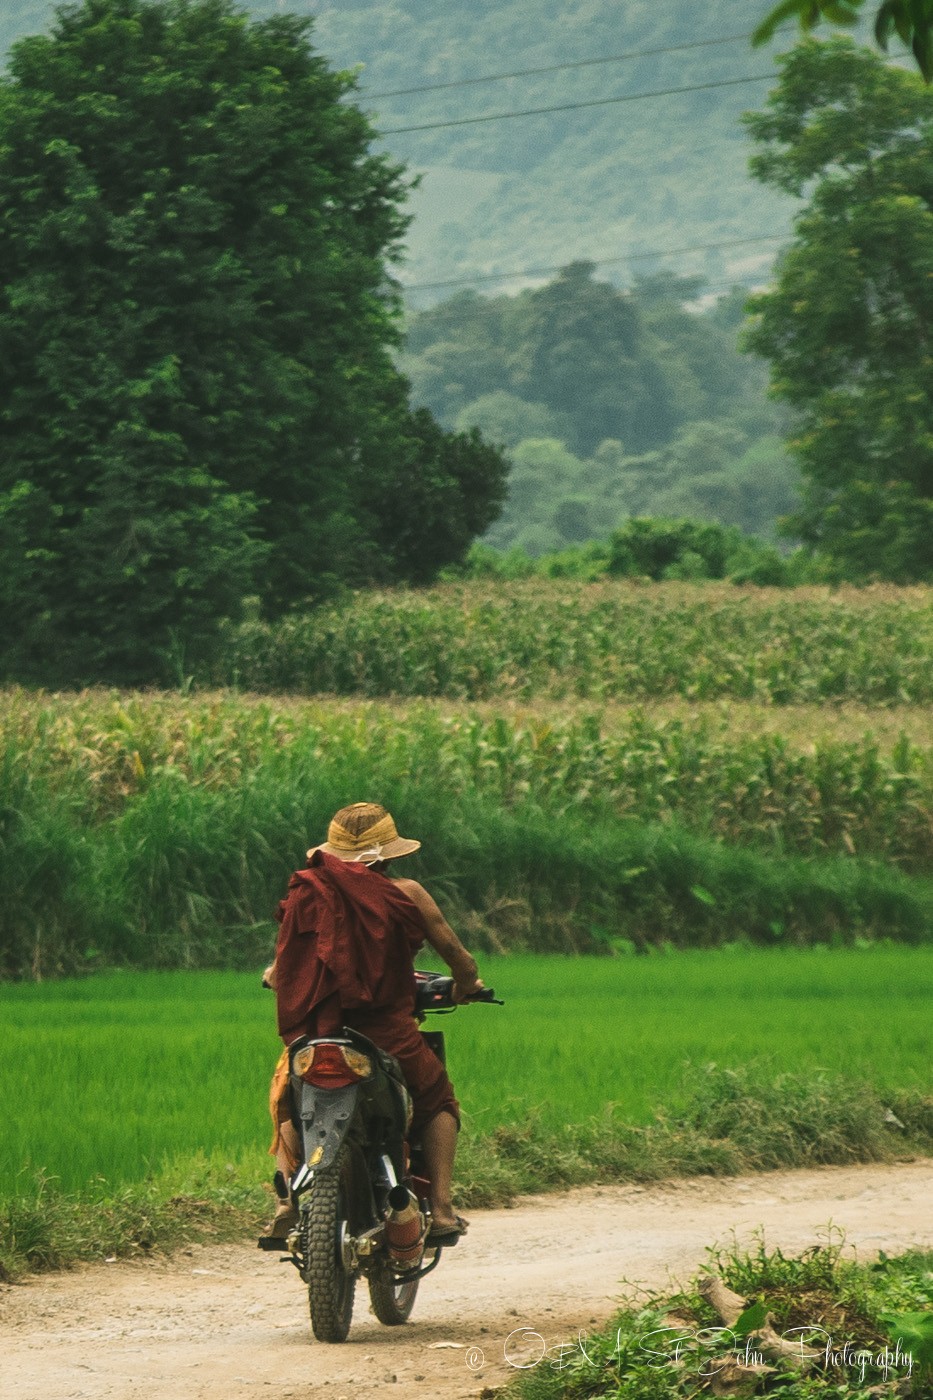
x: 347, y: 939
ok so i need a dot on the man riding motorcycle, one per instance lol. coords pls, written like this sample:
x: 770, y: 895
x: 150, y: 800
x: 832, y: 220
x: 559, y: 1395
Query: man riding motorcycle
x: 348, y: 933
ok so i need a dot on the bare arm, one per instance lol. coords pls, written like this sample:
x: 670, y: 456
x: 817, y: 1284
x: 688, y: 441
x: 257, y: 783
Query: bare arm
x: 443, y: 939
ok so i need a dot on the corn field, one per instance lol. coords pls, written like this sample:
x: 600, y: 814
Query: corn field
x: 107, y: 751
x: 601, y: 641
x: 159, y: 830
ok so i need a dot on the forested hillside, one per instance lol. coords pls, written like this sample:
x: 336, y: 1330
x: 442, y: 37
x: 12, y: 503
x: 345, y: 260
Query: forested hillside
x: 600, y: 182
x: 610, y: 403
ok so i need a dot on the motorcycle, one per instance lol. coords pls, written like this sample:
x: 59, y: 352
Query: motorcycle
x: 361, y: 1187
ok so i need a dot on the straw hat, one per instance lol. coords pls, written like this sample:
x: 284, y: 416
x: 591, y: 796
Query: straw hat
x: 365, y: 832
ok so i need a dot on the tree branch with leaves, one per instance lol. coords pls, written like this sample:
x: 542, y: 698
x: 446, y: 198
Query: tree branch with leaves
x: 910, y: 20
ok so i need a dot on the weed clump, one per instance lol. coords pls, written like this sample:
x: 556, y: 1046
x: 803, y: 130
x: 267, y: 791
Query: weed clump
x: 813, y: 1327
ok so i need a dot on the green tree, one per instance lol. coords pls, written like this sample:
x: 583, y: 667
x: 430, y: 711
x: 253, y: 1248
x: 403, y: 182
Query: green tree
x: 583, y: 351
x: 846, y: 326
x: 196, y: 326
x: 705, y: 377
x: 911, y: 20
x: 664, y: 548
x: 503, y: 417
x: 544, y: 477
x: 424, y: 510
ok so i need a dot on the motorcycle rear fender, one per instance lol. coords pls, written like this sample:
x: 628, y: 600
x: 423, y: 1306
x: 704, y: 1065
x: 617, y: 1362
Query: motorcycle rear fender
x: 326, y: 1116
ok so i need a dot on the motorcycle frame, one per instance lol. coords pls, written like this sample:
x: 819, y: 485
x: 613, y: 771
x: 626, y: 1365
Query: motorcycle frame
x: 326, y: 1118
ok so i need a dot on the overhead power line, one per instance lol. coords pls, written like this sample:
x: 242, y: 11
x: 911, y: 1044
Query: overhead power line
x: 554, y: 67
x: 483, y: 78
x: 597, y: 262
x: 577, y: 106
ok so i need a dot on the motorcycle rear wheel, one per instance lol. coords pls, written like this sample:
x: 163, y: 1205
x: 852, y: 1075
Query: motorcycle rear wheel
x: 324, y: 1223
x: 392, y: 1299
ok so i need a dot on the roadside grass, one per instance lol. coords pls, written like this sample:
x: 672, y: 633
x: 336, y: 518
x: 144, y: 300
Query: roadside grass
x: 139, y: 1099
x: 43, y: 1227
x: 869, y: 1327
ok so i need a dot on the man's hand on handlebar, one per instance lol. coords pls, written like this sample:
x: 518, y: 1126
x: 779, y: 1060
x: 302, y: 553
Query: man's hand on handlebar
x: 463, y: 991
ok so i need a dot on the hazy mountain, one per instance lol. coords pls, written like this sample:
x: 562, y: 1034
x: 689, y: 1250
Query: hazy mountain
x: 595, y: 183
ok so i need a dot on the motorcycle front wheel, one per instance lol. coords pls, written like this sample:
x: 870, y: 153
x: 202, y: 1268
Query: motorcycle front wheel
x: 325, y: 1221
x: 392, y: 1299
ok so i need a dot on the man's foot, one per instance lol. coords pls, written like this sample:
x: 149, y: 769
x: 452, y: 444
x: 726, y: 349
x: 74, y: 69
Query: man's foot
x: 446, y: 1231
x: 286, y: 1218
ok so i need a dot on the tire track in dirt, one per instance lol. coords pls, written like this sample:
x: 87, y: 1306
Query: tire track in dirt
x: 228, y: 1323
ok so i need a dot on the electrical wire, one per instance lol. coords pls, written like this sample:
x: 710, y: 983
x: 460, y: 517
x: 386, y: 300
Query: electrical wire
x: 597, y: 262
x: 552, y: 68
x: 364, y: 93
x: 570, y: 107
x: 578, y: 106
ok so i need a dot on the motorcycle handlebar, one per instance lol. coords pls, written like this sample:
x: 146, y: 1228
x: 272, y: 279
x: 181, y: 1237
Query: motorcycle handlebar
x: 434, y: 992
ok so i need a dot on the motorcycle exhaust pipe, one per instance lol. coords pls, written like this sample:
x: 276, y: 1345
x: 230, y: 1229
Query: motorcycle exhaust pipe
x: 404, y: 1229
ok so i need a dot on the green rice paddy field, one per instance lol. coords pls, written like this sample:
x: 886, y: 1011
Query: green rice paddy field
x: 131, y: 1075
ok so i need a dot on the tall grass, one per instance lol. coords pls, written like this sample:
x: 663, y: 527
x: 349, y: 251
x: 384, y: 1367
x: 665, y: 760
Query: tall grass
x: 601, y: 641
x: 156, y: 831
x: 97, y: 755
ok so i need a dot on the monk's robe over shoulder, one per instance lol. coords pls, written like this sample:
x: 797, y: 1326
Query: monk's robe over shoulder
x: 347, y: 938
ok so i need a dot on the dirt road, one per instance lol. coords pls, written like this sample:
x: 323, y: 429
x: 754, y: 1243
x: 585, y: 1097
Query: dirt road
x: 228, y: 1323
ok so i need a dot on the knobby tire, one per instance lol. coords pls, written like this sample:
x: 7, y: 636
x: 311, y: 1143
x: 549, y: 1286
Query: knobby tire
x: 330, y: 1286
x: 392, y: 1300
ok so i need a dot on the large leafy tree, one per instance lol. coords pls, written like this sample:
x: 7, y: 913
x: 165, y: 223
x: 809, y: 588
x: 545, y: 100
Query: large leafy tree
x: 196, y: 325
x: 847, y: 324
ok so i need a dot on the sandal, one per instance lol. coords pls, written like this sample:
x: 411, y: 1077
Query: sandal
x: 439, y: 1235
